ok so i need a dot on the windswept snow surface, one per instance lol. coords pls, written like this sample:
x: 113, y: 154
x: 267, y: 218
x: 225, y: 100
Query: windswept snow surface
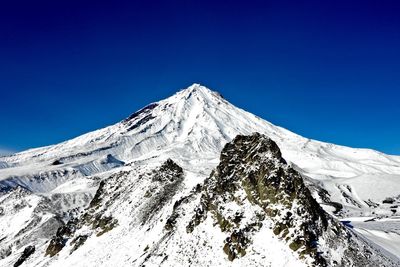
x: 384, y: 234
x: 191, y: 127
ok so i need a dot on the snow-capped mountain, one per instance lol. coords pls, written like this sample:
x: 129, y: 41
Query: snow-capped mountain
x: 155, y: 190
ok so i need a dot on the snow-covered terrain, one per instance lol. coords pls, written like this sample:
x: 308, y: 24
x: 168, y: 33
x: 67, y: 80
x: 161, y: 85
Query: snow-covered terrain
x: 191, y: 128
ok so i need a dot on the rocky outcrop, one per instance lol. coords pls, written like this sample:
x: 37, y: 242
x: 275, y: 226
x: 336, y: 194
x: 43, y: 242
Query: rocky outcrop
x: 37, y: 221
x: 57, y: 243
x: 253, y: 186
x: 93, y: 217
x: 28, y: 251
x: 96, y: 219
x: 252, y: 170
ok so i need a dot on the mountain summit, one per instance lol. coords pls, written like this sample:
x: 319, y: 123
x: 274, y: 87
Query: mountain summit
x: 194, y: 180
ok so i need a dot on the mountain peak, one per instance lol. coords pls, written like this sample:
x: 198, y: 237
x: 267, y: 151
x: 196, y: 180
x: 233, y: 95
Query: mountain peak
x: 200, y: 91
x: 194, y: 180
x: 196, y: 87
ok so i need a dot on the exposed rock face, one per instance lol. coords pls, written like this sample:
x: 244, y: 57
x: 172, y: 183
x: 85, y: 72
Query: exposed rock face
x: 37, y: 221
x: 111, y: 193
x: 58, y: 241
x: 252, y: 170
x: 93, y: 217
x: 28, y: 251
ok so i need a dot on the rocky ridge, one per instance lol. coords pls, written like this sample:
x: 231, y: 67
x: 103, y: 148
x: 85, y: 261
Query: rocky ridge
x: 253, y: 173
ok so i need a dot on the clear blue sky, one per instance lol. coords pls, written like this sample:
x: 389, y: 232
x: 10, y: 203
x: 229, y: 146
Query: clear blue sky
x: 328, y: 70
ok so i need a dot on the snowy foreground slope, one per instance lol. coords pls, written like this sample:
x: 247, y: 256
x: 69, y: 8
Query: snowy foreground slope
x: 155, y: 190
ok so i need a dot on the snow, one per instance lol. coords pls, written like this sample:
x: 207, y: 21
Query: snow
x: 389, y: 241
x: 382, y: 233
x: 191, y: 127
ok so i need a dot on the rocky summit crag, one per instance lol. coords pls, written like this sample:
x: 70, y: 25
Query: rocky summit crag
x: 252, y: 173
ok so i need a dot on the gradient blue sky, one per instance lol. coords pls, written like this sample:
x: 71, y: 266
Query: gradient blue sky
x: 328, y: 70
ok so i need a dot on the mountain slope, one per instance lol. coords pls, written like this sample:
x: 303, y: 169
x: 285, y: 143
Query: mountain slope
x: 191, y: 128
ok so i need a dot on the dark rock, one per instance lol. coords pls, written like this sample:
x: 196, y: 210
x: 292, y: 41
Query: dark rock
x: 110, y: 159
x: 58, y: 241
x: 56, y: 244
x: 144, y: 110
x: 255, y: 165
x: 57, y: 162
x: 140, y: 122
x: 103, y: 223
x: 97, y: 197
x: 166, y: 181
x: 388, y: 200
x: 28, y: 251
x: 78, y: 241
x: 170, y: 166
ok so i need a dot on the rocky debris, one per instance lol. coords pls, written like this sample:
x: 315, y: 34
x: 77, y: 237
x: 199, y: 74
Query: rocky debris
x: 28, y: 251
